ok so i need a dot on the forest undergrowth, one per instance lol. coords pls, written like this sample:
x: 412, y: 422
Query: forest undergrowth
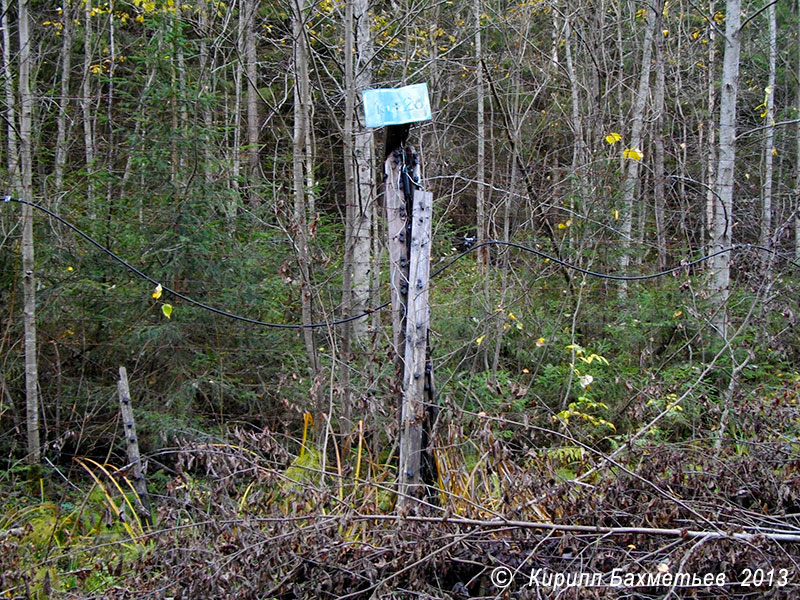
x: 254, y: 514
x: 576, y: 437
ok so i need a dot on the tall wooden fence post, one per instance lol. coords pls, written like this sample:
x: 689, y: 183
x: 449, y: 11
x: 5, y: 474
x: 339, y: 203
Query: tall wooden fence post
x: 132, y: 444
x: 409, y: 214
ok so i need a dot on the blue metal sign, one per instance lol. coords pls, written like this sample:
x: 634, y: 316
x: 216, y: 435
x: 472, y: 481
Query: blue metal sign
x: 407, y: 104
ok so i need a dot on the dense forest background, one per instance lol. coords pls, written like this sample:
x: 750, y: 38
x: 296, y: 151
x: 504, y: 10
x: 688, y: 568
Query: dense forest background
x: 219, y: 148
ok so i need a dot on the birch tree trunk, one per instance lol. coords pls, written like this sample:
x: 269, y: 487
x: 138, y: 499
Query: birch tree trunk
x: 635, y: 143
x: 63, y: 101
x: 579, y: 147
x: 765, y: 235
x: 300, y: 158
x: 29, y: 283
x: 658, y: 146
x: 721, y: 234
x: 204, y: 91
x: 12, y: 161
x: 236, y: 118
x: 797, y: 164
x: 86, y: 106
x: 180, y: 133
x: 711, y: 158
x: 480, y: 192
x: 365, y: 185
x: 251, y: 72
x: 350, y: 194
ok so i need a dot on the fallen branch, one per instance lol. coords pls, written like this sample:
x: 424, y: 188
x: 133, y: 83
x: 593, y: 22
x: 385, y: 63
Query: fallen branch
x: 682, y: 533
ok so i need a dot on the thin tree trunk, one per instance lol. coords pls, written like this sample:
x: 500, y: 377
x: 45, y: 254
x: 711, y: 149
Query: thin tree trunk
x: 204, y: 91
x: 300, y: 158
x: 63, y: 100
x: 480, y: 192
x: 11, y: 102
x: 251, y: 71
x: 359, y: 190
x: 723, y: 209
x: 365, y: 185
x: 110, y: 144
x: 86, y: 108
x: 180, y: 95
x: 658, y: 147
x: 765, y: 237
x: 350, y: 195
x: 29, y: 283
x: 711, y: 127
x: 236, y: 118
x: 579, y: 147
x: 797, y: 165
x: 637, y: 125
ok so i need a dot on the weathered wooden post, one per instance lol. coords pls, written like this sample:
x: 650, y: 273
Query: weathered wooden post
x: 132, y: 444
x: 409, y: 212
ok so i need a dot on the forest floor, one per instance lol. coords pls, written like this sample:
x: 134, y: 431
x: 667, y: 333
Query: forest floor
x: 245, y: 519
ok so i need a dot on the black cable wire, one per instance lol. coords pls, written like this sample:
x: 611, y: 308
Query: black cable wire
x: 558, y: 261
x: 187, y: 299
x: 521, y: 247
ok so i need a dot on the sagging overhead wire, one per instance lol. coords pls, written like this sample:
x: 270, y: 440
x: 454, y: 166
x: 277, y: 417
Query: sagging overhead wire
x: 218, y: 311
x: 187, y: 299
x: 685, y: 264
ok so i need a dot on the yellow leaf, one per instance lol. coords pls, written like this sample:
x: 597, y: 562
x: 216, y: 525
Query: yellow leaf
x: 633, y: 154
x: 774, y: 152
x: 512, y: 316
x: 561, y: 226
x: 615, y: 212
x: 157, y: 292
x: 677, y: 314
x: 69, y: 268
x: 479, y: 341
x: 613, y: 137
x: 167, y: 310
x: 540, y: 342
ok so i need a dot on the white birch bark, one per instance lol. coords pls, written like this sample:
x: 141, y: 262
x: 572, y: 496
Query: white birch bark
x: 365, y: 184
x: 251, y: 71
x: 28, y: 263
x: 658, y: 146
x: 480, y: 192
x: 722, y: 233
x: 64, y: 97
x: 765, y: 234
x: 710, y: 125
x: 797, y: 164
x: 635, y: 143
x: 12, y: 161
x: 87, y: 100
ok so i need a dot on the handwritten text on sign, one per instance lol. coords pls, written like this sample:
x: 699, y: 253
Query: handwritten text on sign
x: 407, y: 104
